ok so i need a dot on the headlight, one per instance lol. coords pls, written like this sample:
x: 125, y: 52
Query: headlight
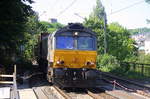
x: 60, y: 62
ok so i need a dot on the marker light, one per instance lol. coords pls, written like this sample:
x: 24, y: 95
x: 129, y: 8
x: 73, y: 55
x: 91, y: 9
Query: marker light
x: 58, y: 62
x: 76, y: 33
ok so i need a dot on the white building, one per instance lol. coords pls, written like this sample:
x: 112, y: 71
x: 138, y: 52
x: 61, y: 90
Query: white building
x: 147, y: 45
x: 140, y: 39
x: 143, y: 42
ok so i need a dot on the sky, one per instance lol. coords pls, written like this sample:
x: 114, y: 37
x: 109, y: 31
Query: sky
x: 129, y: 13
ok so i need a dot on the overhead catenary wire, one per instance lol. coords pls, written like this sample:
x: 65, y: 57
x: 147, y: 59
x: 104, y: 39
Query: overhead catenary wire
x: 117, y: 11
x: 129, y: 6
x: 70, y: 5
x: 79, y: 16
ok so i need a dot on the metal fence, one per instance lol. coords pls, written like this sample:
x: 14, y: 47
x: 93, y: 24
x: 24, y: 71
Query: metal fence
x: 139, y: 68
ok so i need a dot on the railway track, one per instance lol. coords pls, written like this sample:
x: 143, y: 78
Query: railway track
x: 125, y: 80
x: 69, y: 93
x: 62, y: 93
x: 45, y: 91
x: 53, y: 92
x: 98, y: 94
x: 77, y: 93
x: 126, y: 85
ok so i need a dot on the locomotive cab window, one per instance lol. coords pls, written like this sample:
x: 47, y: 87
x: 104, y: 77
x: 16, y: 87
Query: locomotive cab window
x: 75, y: 41
x: 64, y: 42
x: 86, y: 43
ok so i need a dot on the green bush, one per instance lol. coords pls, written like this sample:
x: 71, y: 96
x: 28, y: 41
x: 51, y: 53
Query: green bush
x: 107, y: 63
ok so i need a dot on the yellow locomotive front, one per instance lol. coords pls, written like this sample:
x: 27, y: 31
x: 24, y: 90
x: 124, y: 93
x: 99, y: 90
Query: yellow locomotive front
x: 72, y: 57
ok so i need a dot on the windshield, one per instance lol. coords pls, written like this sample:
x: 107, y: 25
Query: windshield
x: 64, y: 42
x: 79, y: 43
x: 86, y: 43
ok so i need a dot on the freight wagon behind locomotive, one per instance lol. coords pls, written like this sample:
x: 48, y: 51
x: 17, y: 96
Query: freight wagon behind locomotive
x: 68, y: 56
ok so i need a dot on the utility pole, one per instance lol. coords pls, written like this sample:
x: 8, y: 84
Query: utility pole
x: 105, y: 36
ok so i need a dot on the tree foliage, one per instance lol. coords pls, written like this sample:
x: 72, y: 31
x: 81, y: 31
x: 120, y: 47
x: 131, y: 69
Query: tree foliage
x: 97, y: 26
x: 99, y: 10
x: 96, y: 23
x: 118, y: 39
x: 13, y: 16
x: 51, y: 27
x: 20, y: 29
x: 34, y: 28
x: 107, y: 62
x: 119, y: 42
x: 148, y: 1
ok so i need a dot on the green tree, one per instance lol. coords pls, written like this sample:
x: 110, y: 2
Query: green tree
x: 118, y: 38
x: 13, y: 16
x: 34, y: 26
x: 96, y: 23
x: 33, y: 30
x: 107, y: 62
x: 97, y: 26
x: 119, y: 42
x: 148, y: 1
x: 51, y: 27
x: 99, y: 10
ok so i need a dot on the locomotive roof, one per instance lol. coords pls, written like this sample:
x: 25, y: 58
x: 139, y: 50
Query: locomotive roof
x: 75, y: 27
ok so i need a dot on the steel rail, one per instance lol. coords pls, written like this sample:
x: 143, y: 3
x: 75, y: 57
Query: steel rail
x: 35, y: 94
x: 125, y: 80
x: 143, y: 93
x: 93, y: 95
x: 39, y: 93
x: 101, y: 95
x: 62, y: 92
